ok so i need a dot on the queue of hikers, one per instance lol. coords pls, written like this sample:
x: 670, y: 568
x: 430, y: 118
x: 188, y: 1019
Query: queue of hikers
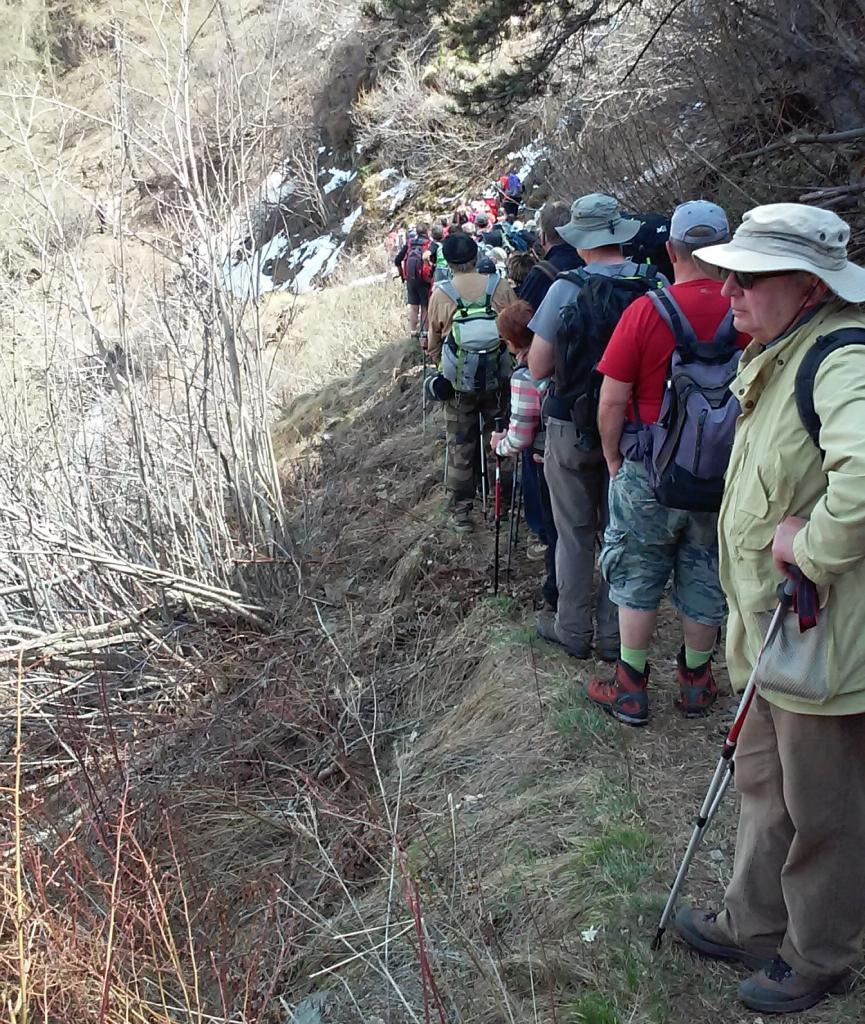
x: 687, y: 417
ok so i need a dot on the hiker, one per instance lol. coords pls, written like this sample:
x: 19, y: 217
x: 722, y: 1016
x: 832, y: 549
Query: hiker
x: 416, y: 271
x: 649, y: 245
x: 435, y: 254
x: 571, y: 326
x: 512, y: 193
x: 559, y: 256
x: 525, y: 437
x: 518, y: 267
x: 464, y: 336
x: 795, y: 906
x: 488, y: 234
x: 647, y: 541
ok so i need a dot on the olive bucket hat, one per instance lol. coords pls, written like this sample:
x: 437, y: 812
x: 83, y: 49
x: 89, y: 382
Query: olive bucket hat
x: 791, y: 236
x: 596, y: 220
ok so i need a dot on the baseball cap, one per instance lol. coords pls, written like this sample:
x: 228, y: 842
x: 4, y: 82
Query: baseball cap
x: 699, y: 222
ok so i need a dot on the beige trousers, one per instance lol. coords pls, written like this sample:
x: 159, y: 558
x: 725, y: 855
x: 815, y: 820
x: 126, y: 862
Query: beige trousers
x: 798, y: 885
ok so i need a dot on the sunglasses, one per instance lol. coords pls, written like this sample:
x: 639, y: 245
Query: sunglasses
x: 745, y: 280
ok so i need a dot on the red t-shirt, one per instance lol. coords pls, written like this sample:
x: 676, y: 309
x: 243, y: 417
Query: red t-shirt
x: 639, y: 351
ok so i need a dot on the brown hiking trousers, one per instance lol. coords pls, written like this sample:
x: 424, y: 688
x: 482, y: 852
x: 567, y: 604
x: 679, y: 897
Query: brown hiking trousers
x: 798, y: 884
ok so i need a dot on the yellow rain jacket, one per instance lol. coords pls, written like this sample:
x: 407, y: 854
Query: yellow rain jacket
x: 777, y: 471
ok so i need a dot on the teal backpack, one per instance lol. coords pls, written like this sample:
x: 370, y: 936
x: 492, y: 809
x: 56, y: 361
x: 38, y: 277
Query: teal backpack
x: 474, y: 358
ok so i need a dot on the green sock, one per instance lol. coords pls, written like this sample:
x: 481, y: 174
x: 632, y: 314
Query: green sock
x: 696, y: 659
x: 636, y: 659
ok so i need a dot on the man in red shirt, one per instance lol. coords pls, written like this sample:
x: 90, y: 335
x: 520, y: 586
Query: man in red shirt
x: 645, y: 541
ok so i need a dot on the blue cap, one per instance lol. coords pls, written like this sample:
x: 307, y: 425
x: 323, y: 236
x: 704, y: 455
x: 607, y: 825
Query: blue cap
x: 699, y: 222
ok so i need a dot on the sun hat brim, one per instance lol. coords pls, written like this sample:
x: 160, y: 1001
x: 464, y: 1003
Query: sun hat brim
x: 595, y: 238
x: 848, y: 283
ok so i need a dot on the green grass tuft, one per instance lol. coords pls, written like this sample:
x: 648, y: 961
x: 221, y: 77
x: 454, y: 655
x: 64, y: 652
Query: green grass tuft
x: 579, y: 723
x: 592, y: 1008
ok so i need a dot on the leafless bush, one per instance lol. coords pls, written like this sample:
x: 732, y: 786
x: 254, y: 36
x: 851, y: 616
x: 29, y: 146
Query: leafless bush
x: 409, y: 119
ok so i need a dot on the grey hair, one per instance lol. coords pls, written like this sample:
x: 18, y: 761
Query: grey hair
x: 686, y: 250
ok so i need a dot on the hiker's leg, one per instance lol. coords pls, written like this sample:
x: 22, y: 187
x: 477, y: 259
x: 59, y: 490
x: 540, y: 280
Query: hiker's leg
x: 697, y: 592
x: 461, y: 424
x: 606, y: 612
x: 572, y: 479
x: 532, y: 496
x: 637, y: 557
x: 549, y: 589
x: 413, y: 318
x: 822, y: 759
x: 755, y: 914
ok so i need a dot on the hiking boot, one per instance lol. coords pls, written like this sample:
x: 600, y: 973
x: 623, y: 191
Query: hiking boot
x: 461, y: 518
x: 608, y: 650
x: 698, y: 690
x: 779, y: 989
x: 546, y: 627
x: 624, y: 696
x: 536, y: 552
x: 700, y: 929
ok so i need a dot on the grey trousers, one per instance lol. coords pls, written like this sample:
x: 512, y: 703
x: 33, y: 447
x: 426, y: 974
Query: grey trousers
x: 798, y: 884
x: 579, y: 484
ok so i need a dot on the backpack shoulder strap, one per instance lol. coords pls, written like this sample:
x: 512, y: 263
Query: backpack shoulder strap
x: 547, y: 269
x: 671, y: 313
x: 448, y: 288
x: 490, y: 290
x: 807, y: 373
x: 578, y: 276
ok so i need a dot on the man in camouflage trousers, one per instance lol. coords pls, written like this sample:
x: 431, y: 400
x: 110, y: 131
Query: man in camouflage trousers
x: 465, y: 409
x: 646, y: 542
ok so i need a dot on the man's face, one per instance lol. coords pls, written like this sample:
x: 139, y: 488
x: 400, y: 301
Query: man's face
x: 772, y: 303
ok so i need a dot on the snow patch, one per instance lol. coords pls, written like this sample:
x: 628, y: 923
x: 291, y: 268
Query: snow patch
x: 338, y: 178
x: 351, y: 220
x: 388, y: 173
x: 314, y: 258
x: 529, y: 155
x: 397, y: 194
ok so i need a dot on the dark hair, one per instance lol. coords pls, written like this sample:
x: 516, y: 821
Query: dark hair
x: 519, y: 265
x: 513, y: 324
x: 437, y: 232
x: 553, y: 216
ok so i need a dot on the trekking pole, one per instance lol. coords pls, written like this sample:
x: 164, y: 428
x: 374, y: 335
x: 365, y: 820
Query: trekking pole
x: 423, y: 391
x: 726, y: 766
x: 499, y: 427
x: 483, y: 461
x: 513, y: 511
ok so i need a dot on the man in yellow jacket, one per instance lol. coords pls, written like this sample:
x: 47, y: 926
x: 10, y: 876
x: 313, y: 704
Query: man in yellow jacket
x: 795, y: 906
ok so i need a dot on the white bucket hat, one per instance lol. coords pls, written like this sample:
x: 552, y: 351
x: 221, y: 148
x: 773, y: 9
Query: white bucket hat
x: 791, y: 236
x: 597, y: 221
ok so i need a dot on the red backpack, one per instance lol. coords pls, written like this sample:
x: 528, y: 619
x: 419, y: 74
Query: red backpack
x: 414, y: 266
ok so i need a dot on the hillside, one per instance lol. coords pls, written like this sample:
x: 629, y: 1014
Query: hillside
x: 271, y: 750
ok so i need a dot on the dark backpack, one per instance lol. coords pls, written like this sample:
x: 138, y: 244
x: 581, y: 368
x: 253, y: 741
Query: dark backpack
x: 585, y: 327
x: 807, y: 373
x: 693, y: 438
x: 414, y: 266
x: 649, y: 245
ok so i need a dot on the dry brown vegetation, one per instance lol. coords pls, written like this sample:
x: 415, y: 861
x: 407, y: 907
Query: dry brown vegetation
x: 264, y: 732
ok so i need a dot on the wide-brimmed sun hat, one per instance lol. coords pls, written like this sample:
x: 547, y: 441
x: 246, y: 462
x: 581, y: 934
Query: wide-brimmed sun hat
x: 596, y: 220
x: 791, y: 236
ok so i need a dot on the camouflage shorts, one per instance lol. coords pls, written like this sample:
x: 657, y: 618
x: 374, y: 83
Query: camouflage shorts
x: 645, y: 543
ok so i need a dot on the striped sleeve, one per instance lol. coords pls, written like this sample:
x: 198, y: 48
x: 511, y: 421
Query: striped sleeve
x: 525, y: 420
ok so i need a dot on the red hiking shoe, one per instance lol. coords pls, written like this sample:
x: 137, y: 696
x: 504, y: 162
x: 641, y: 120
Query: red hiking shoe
x: 624, y: 696
x: 698, y: 690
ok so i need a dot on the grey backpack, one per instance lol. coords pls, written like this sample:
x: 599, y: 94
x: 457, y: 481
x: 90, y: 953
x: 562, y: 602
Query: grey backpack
x: 474, y: 357
x: 693, y: 438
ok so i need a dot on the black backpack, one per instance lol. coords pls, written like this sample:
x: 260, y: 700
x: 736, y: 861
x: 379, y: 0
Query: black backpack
x: 649, y: 245
x: 585, y: 327
x: 807, y: 372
